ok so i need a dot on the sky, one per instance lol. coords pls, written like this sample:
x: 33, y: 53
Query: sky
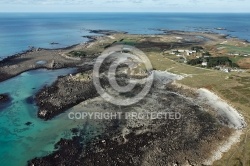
x: 212, y: 6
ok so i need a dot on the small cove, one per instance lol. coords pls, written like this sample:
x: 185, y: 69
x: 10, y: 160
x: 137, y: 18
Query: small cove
x: 20, y: 142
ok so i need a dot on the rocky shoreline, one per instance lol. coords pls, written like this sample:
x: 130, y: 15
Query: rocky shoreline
x: 62, y: 95
x: 107, y: 32
x: 187, y: 141
x: 144, y: 143
x: 17, y: 64
x: 57, y: 58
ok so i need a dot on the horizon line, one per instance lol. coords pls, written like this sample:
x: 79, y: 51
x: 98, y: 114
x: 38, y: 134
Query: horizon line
x: 243, y: 12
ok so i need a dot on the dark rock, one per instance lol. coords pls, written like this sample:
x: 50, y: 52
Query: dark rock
x: 62, y: 95
x: 161, y: 142
x: 30, y: 100
x: 5, y: 101
x: 106, y: 32
x: 4, y: 98
x: 28, y: 123
x: 91, y: 38
x: 68, y: 152
x: 75, y: 130
x: 54, y: 43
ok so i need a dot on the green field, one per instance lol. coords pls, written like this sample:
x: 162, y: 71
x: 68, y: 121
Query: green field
x: 235, y: 49
x: 233, y: 87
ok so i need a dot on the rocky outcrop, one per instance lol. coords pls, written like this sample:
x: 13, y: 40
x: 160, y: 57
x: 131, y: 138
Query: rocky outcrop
x: 26, y: 61
x: 106, y: 32
x: 5, y: 101
x: 65, y: 93
x: 69, y: 151
x: 4, y: 98
x: 186, y: 141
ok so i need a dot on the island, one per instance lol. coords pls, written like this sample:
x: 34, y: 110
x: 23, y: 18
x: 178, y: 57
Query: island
x: 203, y: 76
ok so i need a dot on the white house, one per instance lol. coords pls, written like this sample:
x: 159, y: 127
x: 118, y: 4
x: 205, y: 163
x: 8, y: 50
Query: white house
x: 204, y: 64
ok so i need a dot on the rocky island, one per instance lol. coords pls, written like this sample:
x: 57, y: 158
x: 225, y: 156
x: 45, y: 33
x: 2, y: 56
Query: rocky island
x: 188, y: 75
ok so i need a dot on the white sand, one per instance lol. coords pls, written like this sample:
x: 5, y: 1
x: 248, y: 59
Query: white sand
x: 230, y: 117
x: 224, y: 147
x: 162, y: 78
x: 226, y: 112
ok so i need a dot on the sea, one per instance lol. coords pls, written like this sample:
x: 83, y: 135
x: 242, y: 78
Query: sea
x: 20, y: 31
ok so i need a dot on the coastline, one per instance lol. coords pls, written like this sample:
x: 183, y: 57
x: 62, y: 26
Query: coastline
x: 106, y: 146
x: 63, y: 94
x: 18, y: 63
x: 233, y: 119
x: 57, y: 54
x: 58, y: 59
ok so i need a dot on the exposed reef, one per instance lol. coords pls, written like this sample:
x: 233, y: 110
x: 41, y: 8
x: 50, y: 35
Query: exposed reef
x: 62, y: 95
x: 5, y: 100
x: 106, y: 32
x: 17, y: 64
x: 189, y: 140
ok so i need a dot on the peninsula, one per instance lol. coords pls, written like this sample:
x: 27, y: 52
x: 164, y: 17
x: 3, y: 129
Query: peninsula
x: 191, y: 69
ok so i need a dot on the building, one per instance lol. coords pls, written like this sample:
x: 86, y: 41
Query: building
x: 204, y: 64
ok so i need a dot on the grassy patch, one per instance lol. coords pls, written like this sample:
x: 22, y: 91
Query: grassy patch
x: 129, y: 41
x: 235, y: 49
x: 235, y: 59
x: 233, y: 87
x: 78, y: 53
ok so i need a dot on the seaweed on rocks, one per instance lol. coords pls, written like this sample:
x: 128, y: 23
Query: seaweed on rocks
x: 62, y: 95
x: 190, y: 139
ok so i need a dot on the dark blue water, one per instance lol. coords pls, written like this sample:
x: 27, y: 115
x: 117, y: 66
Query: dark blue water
x: 19, y: 142
x: 18, y: 31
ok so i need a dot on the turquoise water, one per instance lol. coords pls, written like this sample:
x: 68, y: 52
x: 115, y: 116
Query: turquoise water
x: 18, y: 141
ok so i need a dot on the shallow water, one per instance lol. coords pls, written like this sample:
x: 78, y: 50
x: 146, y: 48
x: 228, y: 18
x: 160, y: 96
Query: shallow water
x: 18, y: 141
